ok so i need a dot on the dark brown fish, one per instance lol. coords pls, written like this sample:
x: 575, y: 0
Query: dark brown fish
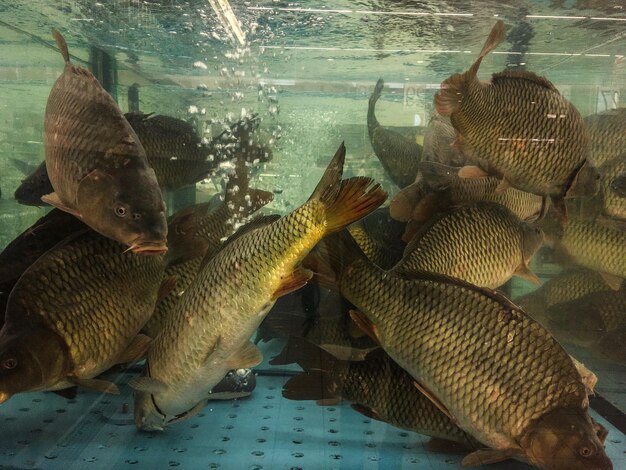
x: 398, y: 154
x: 96, y: 163
x: 516, y: 127
x: 618, y: 185
x: 439, y: 137
x: 74, y: 313
x: 376, y: 386
x: 29, y: 246
x: 496, y: 372
x: 34, y: 186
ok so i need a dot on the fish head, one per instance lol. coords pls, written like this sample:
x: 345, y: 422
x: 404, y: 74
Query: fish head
x: 532, y: 240
x: 30, y: 360
x: 126, y: 207
x: 566, y: 439
x: 147, y: 415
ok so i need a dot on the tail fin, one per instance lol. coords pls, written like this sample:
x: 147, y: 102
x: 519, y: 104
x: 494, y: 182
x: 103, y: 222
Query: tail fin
x: 60, y: 40
x: 331, y: 257
x: 346, y: 201
x: 449, y: 97
x: 372, y: 122
x: 312, y: 385
x: 306, y: 354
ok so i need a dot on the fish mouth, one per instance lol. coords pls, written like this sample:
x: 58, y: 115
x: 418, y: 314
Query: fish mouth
x: 148, y: 248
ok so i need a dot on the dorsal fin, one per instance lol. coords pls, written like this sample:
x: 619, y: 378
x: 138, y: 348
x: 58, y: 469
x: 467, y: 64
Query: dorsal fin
x: 523, y: 75
x: 60, y: 40
x: 495, y: 37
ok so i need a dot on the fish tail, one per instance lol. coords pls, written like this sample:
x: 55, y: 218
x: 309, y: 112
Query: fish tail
x: 345, y: 201
x: 239, y: 196
x: 311, y: 385
x: 332, y: 256
x: 372, y: 122
x: 307, y: 355
x: 449, y: 97
x: 60, y: 40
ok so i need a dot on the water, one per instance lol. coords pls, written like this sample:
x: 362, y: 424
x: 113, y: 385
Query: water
x: 308, y: 70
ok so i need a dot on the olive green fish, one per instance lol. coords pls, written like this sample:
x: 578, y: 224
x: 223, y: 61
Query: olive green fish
x: 613, y: 201
x: 498, y: 374
x: 97, y: 165
x: 76, y: 312
x: 482, y: 243
x: 196, y: 233
x: 398, y: 154
x: 376, y: 386
x: 608, y: 139
x: 618, y: 185
x: 380, y: 237
x: 209, y: 332
x: 593, y: 244
x: 438, y: 139
x: 519, y: 128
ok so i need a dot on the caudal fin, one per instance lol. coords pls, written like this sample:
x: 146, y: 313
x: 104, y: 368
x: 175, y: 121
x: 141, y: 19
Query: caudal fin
x: 346, y: 201
x: 332, y: 256
x: 449, y: 97
x: 60, y: 40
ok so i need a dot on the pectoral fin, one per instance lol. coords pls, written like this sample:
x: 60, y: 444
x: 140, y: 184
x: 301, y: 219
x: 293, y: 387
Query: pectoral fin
x: 524, y: 272
x: 472, y: 171
x: 228, y: 395
x: 431, y: 396
x: 444, y: 446
x: 292, y: 282
x: 53, y: 200
x: 489, y: 456
x: 367, y: 411
x: 347, y: 353
x: 167, y: 286
x: 248, y: 356
x: 99, y: 385
x: 611, y: 280
x: 502, y: 186
x: 135, y: 350
x: 365, y: 324
x: 148, y: 385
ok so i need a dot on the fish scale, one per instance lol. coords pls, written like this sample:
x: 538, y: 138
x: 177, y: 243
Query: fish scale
x: 87, y: 277
x: 453, y: 339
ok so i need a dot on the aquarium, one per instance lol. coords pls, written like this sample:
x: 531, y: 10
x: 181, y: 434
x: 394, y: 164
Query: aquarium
x: 313, y: 235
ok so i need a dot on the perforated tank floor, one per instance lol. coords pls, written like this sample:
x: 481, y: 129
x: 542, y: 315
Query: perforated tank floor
x: 264, y: 431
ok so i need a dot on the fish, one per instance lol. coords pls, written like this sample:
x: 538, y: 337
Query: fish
x: 439, y: 138
x: 398, y: 154
x: 27, y: 247
x: 380, y: 237
x: 404, y: 201
x: 329, y: 327
x: 517, y: 126
x: 209, y: 332
x: 34, y: 186
x: 196, y: 233
x: 586, y: 320
x: 377, y: 388
x: 482, y: 243
x: 97, y: 165
x: 614, y: 202
x: 497, y: 373
x: 608, y: 139
x: 567, y: 286
x: 440, y: 188
x: 593, y: 244
x: 611, y: 347
x: 74, y: 313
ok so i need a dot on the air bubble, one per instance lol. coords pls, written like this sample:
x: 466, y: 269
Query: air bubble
x: 219, y: 451
x: 173, y: 463
x: 297, y: 455
x: 334, y: 443
x: 132, y: 461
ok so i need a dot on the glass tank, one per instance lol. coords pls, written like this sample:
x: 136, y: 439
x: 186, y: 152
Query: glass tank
x: 313, y: 235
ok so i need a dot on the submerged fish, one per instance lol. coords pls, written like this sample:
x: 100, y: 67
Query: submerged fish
x: 34, y: 186
x: 398, y: 154
x: 593, y: 244
x: 614, y: 198
x: 493, y: 370
x: 74, y: 313
x: 209, y: 332
x: 96, y: 164
x: 608, y: 136
x: 196, y: 233
x: 380, y: 237
x: 438, y: 139
x: 516, y: 127
x: 377, y: 387
x: 618, y: 185
x: 29, y: 246
x: 482, y: 243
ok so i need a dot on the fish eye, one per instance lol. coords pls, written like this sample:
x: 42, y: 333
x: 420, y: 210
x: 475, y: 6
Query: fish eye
x: 120, y: 211
x: 585, y: 451
x: 136, y: 216
x: 10, y: 363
